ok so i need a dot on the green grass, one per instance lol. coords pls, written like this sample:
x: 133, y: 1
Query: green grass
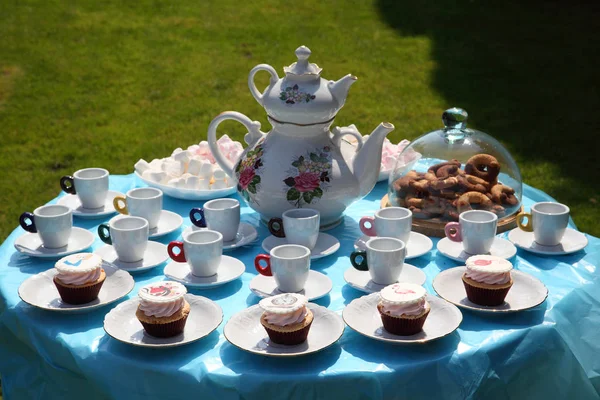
x: 93, y: 83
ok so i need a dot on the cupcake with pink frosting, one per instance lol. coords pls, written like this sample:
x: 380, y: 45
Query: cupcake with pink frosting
x: 403, y: 308
x: 163, y: 310
x: 286, y: 318
x: 487, y: 280
x: 79, y: 277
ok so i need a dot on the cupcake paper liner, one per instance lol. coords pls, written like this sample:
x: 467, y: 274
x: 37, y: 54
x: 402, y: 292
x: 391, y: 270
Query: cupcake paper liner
x: 78, y: 295
x: 165, y: 330
x: 486, y: 297
x: 288, y: 338
x: 402, y: 326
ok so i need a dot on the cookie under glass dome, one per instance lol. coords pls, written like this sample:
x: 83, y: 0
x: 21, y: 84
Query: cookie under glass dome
x: 452, y: 170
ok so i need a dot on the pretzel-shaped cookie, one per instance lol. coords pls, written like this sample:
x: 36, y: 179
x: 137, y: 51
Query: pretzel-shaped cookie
x: 471, y: 183
x: 464, y: 202
x: 483, y: 166
x: 504, y: 194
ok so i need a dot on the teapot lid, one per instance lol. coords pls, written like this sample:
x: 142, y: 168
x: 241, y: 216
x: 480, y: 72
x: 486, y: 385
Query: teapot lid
x: 302, y: 68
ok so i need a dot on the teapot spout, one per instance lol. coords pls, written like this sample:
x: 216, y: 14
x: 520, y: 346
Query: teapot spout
x: 339, y: 89
x: 368, y: 159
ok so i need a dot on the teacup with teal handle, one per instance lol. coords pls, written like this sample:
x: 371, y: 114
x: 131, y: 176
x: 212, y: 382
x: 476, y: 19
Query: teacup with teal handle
x: 384, y: 259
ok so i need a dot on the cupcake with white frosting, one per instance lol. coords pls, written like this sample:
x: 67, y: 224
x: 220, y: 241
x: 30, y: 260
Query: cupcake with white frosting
x: 79, y: 277
x: 403, y: 308
x: 163, y: 310
x: 286, y: 318
x: 487, y: 280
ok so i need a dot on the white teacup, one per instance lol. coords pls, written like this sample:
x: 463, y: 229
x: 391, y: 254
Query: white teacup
x: 89, y: 184
x: 53, y: 223
x: 289, y: 264
x: 384, y: 259
x: 142, y: 202
x: 299, y: 226
x: 393, y: 222
x: 202, y: 250
x: 221, y: 215
x: 128, y: 235
x: 548, y: 221
x: 476, y: 230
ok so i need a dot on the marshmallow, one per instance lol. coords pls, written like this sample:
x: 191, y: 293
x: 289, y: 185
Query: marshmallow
x: 155, y: 176
x: 191, y: 182
x: 156, y: 164
x: 203, y: 184
x: 141, y: 166
x: 206, y: 169
x: 219, y: 174
x: 174, y: 168
x: 194, y: 165
x: 181, y: 157
x: 218, y: 184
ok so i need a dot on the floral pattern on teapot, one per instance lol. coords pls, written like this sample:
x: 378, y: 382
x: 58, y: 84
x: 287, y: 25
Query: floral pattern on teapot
x: 247, y: 172
x: 293, y: 95
x: 309, y: 177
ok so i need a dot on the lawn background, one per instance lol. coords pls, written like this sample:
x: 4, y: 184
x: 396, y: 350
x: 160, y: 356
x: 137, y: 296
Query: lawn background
x: 89, y: 83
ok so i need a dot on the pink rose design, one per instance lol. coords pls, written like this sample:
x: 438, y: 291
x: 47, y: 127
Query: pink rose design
x: 246, y: 177
x: 307, y: 181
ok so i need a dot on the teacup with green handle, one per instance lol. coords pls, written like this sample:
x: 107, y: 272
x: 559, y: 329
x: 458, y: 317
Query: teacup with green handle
x: 384, y: 259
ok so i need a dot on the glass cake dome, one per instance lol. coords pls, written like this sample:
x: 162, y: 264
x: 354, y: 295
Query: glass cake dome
x: 452, y: 170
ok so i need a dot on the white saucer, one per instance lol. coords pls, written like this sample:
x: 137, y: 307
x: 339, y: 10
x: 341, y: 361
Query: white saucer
x: 229, y: 270
x: 362, y: 316
x: 361, y: 280
x: 418, y: 244
x: 454, y: 250
x: 156, y: 254
x: 121, y: 323
x: 245, y: 331
x: 31, y: 244
x: 317, y: 286
x: 572, y: 242
x: 169, y: 222
x: 72, y: 201
x: 526, y: 291
x: 40, y: 291
x: 246, y: 234
x: 326, y: 245
x: 189, y: 194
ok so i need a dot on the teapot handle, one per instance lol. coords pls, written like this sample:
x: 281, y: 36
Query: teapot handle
x: 253, y: 89
x: 339, y: 132
x: 253, y: 135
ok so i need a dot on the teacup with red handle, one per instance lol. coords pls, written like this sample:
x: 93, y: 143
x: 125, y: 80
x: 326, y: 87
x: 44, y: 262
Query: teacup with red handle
x: 289, y: 264
x: 202, y: 250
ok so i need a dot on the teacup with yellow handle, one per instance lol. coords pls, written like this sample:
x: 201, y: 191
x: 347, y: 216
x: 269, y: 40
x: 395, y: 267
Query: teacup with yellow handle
x: 547, y: 220
x: 146, y: 203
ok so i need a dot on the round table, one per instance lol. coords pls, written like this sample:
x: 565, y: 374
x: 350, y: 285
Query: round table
x: 551, y: 351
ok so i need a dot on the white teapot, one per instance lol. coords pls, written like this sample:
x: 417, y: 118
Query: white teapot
x: 299, y: 162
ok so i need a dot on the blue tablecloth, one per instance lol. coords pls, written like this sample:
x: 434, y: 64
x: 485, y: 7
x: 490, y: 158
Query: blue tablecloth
x: 552, y: 351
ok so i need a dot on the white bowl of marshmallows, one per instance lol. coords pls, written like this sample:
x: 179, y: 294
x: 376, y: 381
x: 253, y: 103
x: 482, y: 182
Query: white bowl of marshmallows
x: 191, y: 174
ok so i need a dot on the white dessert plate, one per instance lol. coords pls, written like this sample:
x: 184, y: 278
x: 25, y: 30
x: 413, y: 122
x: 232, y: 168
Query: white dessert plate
x: 418, y: 244
x: 72, y: 201
x: 40, y: 291
x: 326, y: 245
x: 189, y: 194
x: 122, y: 324
x: 169, y: 222
x: 229, y: 270
x: 362, y: 316
x: 526, y: 292
x: 361, y: 280
x: 454, y: 250
x: 317, y: 286
x: 245, y: 331
x: 571, y: 242
x: 246, y: 234
x: 31, y: 244
x: 155, y: 254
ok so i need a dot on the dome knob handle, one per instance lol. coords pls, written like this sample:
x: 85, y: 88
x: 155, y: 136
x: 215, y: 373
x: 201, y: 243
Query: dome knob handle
x: 302, y: 53
x: 455, y: 118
